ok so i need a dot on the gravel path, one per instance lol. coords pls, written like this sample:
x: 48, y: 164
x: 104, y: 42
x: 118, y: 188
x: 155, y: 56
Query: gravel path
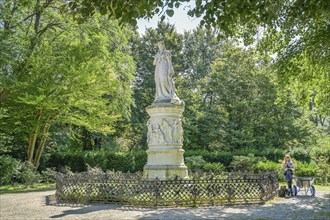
x: 32, y: 205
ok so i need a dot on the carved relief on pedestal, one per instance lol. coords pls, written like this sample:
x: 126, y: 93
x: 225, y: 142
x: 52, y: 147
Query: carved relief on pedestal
x: 165, y: 131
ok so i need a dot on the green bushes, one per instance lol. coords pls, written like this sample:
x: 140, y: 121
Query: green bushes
x: 106, y: 160
x: 195, y: 163
x: 48, y: 175
x: 243, y: 163
x: 267, y: 165
x: 305, y: 169
x: 198, y: 164
x: 28, y: 174
x: 224, y: 158
x: 214, y: 167
x: 9, y: 168
x: 74, y: 160
x: 198, y: 160
x: 272, y: 154
x: 324, y: 169
x: 301, y: 154
x: 15, y: 171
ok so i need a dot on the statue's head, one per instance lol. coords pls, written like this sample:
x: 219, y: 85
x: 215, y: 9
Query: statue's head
x: 161, y: 45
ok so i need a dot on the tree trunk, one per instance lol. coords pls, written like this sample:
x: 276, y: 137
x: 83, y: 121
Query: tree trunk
x: 33, y: 136
x: 36, y: 160
x: 86, y: 139
x: 37, y: 138
x: 32, y: 143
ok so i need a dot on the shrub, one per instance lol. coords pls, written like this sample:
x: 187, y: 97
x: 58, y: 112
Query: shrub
x: 48, y: 175
x: 320, y: 155
x: 96, y: 159
x: 214, y: 167
x: 273, y: 154
x: 28, y: 175
x: 243, y: 163
x: 323, y: 171
x: 246, y: 151
x: 195, y: 163
x: 218, y: 157
x: 305, y: 169
x: 323, y: 149
x: 9, y: 169
x: 196, y: 160
x: 106, y: 160
x: 266, y: 166
x: 74, y: 160
x: 139, y: 159
x: 301, y: 154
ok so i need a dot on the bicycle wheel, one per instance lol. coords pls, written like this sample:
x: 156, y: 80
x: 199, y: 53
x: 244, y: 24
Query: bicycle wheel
x: 313, y: 190
x: 295, y: 190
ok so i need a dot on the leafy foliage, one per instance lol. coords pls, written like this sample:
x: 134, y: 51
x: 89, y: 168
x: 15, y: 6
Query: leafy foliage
x: 15, y: 171
x: 305, y: 169
x: 296, y: 31
x: 323, y: 169
x: 71, y: 74
x: 105, y: 160
x: 268, y: 165
x: 244, y: 163
x: 195, y: 163
x: 28, y: 174
x: 9, y: 169
x: 214, y: 167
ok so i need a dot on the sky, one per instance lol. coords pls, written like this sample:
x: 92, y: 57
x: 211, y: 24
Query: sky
x: 180, y: 19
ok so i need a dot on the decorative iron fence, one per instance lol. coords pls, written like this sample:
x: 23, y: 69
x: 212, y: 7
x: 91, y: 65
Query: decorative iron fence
x: 198, y: 190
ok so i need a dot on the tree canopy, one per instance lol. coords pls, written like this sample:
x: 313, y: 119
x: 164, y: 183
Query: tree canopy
x: 297, y: 32
x: 62, y: 74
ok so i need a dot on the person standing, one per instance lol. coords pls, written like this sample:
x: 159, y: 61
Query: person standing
x: 288, y: 167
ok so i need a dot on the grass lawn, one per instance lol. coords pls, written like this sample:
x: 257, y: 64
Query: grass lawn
x: 323, y: 188
x: 23, y: 188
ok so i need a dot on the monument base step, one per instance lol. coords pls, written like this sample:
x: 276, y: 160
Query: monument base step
x: 164, y: 171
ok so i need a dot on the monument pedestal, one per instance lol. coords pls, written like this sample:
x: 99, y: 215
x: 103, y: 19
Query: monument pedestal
x: 165, y: 140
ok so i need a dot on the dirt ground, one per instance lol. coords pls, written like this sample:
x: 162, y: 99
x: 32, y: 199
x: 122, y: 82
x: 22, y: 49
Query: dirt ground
x: 34, y: 205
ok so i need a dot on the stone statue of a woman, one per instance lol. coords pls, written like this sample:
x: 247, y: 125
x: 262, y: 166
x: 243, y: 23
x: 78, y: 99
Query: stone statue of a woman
x: 165, y: 88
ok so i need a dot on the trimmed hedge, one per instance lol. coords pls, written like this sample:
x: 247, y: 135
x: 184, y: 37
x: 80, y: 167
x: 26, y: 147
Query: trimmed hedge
x: 135, y: 160
x: 106, y: 160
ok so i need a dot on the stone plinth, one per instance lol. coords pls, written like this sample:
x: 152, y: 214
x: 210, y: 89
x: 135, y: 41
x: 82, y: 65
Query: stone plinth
x: 165, y: 140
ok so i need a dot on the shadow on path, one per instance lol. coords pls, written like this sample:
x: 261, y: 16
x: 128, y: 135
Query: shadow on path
x: 299, y: 207
x: 85, y: 210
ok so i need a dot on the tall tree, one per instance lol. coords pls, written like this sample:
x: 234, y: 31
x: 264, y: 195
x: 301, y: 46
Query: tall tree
x: 243, y: 94
x: 201, y: 48
x: 81, y: 75
x: 23, y: 24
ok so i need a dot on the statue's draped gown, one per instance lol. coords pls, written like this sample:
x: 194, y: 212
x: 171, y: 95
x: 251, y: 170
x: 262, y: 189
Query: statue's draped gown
x: 165, y: 90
